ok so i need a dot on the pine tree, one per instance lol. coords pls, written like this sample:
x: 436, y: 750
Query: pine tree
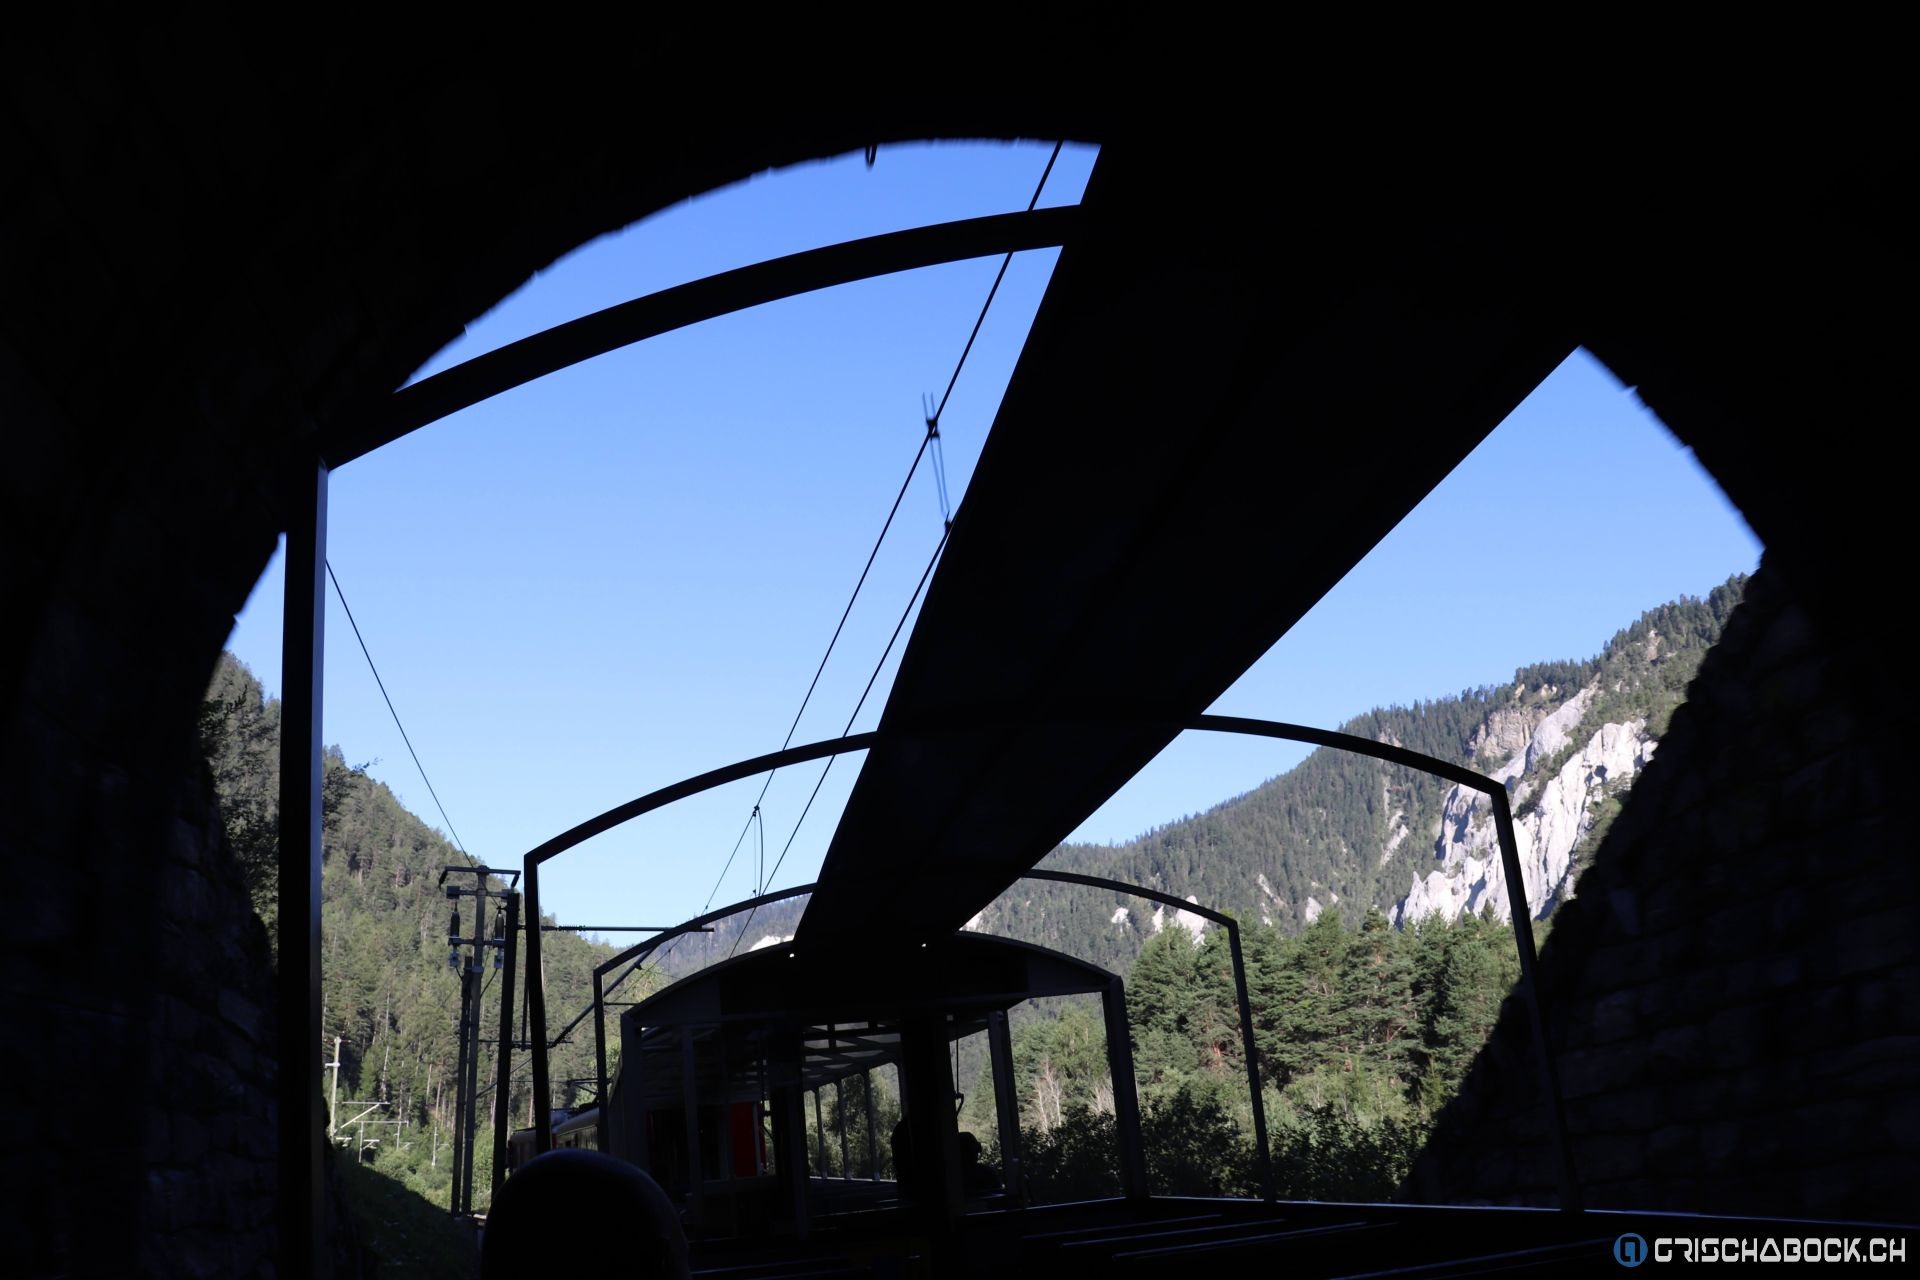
x: 1311, y: 1012
x: 1380, y: 1018
x: 1213, y: 1023
x: 1461, y: 1007
x: 1160, y: 988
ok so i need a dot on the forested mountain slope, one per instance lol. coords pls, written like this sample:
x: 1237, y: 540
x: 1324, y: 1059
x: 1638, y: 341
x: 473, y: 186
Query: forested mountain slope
x: 389, y: 993
x: 1349, y: 833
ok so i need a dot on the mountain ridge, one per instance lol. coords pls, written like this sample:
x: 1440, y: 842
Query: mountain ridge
x: 1345, y: 832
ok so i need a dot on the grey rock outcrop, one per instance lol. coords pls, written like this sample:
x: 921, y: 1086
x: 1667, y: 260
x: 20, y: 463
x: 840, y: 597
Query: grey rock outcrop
x: 1467, y: 876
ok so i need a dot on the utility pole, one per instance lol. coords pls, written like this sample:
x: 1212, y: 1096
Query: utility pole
x: 460, y: 1070
x: 503, y: 1050
x: 467, y: 1072
x: 473, y: 1054
x: 333, y: 1096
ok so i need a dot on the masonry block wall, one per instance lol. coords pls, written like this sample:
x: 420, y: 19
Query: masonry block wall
x: 138, y: 1015
x: 1734, y: 995
x: 207, y: 1125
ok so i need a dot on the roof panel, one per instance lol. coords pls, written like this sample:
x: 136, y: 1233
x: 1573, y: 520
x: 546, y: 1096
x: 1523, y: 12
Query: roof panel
x: 1220, y: 409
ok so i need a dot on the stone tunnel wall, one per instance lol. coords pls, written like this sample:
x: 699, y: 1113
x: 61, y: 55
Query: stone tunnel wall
x: 208, y: 1129
x: 147, y: 1084
x: 1733, y: 997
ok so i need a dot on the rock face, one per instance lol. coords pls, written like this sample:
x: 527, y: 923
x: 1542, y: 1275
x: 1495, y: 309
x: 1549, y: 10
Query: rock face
x: 1466, y: 875
x: 1194, y: 924
x: 1268, y: 897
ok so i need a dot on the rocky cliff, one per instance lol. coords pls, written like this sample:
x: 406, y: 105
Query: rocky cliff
x: 1554, y: 815
x: 1346, y: 833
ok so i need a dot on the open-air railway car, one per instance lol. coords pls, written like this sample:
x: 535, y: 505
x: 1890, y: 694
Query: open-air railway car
x: 721, y: 1073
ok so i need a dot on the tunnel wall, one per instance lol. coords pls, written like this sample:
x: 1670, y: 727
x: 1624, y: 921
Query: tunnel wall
x: 1733, y: 996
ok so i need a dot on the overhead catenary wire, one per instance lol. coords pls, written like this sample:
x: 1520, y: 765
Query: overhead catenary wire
x: 939, y: 469
x: 818, y: 782
x: 934, y: 417
x: 335, y: 579
x: 848, y: 727
x: 833, y: 642
x: 930, y: 441
x: 738, y: 841
x: 940, y: 408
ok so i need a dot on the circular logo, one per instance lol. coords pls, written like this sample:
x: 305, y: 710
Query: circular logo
x: 1630, y: 1250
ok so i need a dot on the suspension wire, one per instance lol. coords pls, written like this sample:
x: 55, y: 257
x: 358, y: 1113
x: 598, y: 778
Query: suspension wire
x: 846, y: 612
x: 939, y: 459
x: 334, y: 578
x: 848, y: 728
x: 730, y: 857
x: 814, y: 684
x: 934, y: 417
x: 940, y: 477
x: 939, y: 468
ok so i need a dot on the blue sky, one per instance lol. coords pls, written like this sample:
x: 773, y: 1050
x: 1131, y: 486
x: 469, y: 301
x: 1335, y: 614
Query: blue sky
x: 625, y: 574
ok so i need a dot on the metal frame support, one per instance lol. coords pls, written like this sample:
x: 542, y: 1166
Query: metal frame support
x: 1005, y: 1104
x: 1248, y: 1048
x: 600, y: 1054
x: 517, y: 363
x: 933, y: 1180
x: 840, y: 1123
x: 1263, y: 1158
x: 537, y: 1016
x: 723, y: 1136
x: 819, y: 1137
x: 873, y: 1142
x: 789, y: 1124
x: 1126, y: 1102
x: 1571, y: 1200
x: 1570, y: 1197
x: 690, y: 1101
x: 536, y: 988
x: 304, y: 1245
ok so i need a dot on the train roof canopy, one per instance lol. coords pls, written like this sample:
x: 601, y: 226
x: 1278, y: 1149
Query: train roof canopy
x: 718, y: 1025
x: 1210, y: 424
x: 790, y: 982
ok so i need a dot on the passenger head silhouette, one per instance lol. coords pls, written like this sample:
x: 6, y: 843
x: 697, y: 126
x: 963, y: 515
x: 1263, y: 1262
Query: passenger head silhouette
x: 584, y: 1211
